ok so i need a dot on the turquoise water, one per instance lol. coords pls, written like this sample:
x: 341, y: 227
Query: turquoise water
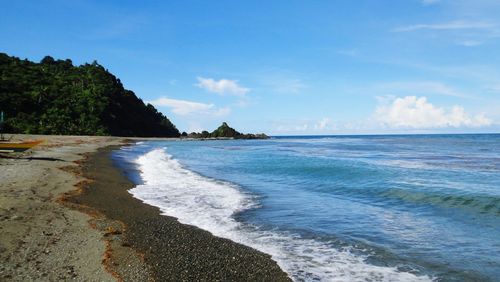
x: 340, y: 208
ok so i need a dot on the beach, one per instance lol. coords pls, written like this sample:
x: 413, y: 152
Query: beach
x: 120, y: 209
x: 336, y: 208
x: 41, y: 238
x: 66, y: 215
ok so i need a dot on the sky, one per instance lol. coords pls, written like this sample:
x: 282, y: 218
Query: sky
x: 283, y: 67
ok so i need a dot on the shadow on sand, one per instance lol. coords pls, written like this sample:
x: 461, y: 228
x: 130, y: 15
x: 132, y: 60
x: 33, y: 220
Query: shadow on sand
x: 32, y: 158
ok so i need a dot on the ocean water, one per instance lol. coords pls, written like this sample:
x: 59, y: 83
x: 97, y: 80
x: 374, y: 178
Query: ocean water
x: 337, y: 208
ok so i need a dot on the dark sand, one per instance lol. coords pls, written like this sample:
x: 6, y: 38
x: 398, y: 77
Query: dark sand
x: 170, y: 250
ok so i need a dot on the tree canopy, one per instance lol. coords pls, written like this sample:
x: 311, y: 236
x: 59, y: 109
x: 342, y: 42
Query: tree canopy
x: 56, y: 97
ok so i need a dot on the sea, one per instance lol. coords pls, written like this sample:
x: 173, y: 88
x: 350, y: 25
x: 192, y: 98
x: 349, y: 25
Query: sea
x: 337, y: 208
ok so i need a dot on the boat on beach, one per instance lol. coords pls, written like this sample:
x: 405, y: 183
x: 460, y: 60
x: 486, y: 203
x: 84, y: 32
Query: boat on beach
x: 7, y: 146
x: 11, y: 147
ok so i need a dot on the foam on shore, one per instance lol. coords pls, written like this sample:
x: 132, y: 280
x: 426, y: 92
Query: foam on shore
x: 211, y: 205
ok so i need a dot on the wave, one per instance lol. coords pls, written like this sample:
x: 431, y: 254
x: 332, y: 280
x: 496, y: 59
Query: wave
x: 480, y: 203
x: 212, y: 205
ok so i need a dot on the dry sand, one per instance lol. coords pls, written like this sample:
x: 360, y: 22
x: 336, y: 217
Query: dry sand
x: 57, y: 225
x: 41, y: 239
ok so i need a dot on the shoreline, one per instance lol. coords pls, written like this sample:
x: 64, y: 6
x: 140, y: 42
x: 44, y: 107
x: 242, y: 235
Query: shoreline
x: 43, y: 240
x: 169, y: 249
x: 65, y: 213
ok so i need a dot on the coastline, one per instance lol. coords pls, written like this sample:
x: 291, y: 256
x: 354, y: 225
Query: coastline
x: 170, y: 250
x: 66, y: 214
x: 42, y: 239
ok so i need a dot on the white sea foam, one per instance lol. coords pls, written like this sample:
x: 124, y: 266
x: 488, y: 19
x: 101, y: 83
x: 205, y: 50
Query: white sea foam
x: 210, y: 204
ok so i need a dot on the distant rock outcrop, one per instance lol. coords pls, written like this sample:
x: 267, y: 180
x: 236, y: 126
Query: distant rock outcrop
x: 225, y: 132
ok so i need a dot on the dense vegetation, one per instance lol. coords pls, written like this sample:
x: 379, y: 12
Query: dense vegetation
x: 224, y: 131
x: 56, y: 97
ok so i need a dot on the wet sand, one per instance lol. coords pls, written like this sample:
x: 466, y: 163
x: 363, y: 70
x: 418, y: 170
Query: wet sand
x: 172, y: 250
x: 65, y: 214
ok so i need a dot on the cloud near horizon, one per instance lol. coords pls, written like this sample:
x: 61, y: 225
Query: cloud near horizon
x: 324, y: 124
x: 184, y: 107
x: 222, y: 86
x: 417, y: 113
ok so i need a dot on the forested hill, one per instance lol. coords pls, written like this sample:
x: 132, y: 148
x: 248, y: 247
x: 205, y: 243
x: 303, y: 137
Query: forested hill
x: 56, y: 97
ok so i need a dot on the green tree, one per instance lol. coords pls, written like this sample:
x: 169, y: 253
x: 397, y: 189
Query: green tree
x: 55, y: 97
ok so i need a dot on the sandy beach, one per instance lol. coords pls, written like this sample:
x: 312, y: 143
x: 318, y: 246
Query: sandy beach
x: 42, y: 239
x: 65, y: 214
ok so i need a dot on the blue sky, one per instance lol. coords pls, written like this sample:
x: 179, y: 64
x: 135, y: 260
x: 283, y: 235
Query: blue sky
x: 284, y: 67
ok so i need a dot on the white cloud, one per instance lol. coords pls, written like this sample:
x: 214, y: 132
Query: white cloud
x: 453, y: 25
x: 304, y: 126
x: 184, y: 107
x: 324, y: 124
x: 222, y: 86
x: 416, y: 112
